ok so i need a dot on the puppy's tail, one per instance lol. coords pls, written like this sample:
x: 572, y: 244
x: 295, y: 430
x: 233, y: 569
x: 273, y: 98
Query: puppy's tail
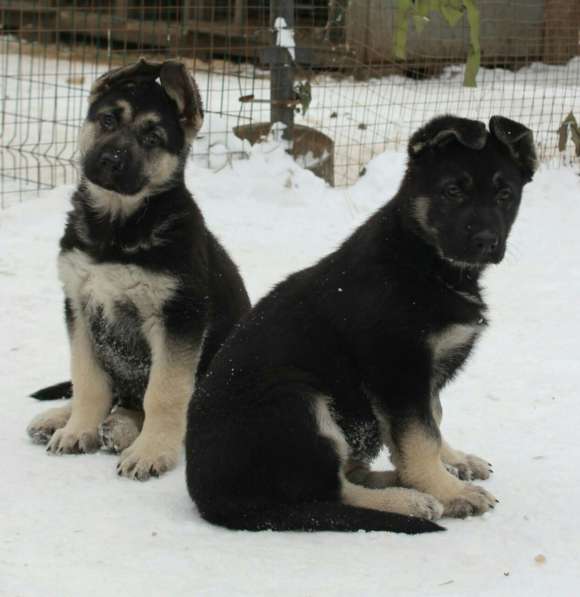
x: 321, y: 516
x: 55, y: 392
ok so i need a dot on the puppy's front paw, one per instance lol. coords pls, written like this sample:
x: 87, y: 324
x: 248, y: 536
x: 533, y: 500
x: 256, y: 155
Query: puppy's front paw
x: 43, y: 426
x: 74, y: 441
x: 426, y: 506
x: 147, y: 458
x: 470, y: 501
x: 469, y: 467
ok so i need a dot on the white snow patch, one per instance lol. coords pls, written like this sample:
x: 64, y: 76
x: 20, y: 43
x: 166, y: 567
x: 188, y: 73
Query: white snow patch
x: 285, y: 36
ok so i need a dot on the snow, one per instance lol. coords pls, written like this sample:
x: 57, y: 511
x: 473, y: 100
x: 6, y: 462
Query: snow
x: 69, y: 526
x: 285, y: 36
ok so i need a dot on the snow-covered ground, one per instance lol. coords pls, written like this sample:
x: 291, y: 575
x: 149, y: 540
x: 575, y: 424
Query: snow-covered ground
x: 69, y: 526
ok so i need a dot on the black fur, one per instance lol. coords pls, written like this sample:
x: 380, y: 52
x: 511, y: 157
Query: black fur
x: 353, y: 327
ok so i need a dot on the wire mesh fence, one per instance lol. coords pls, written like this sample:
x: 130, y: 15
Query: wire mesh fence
x: 348, y: 86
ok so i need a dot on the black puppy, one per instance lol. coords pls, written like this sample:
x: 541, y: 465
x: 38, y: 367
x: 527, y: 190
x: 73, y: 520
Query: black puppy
x: 350, y: 354
x: 150, y: 294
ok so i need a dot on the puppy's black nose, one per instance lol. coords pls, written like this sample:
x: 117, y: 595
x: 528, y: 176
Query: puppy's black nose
x: 485, y: 241
x: 112, y: 159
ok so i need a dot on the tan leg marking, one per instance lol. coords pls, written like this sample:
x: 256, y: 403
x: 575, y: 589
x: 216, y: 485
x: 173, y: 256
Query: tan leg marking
x: 418, y: 461
x: 42, y: 427
x: 120, y: 429
x: 92, y: 397
x: 393, y: 499
x: 466, y: 467
x: 168, y: 393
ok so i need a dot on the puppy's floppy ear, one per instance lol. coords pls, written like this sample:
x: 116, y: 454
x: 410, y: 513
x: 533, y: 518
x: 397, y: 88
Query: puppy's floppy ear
x: 181, y: 87
x: 138, y: 72
x: 470, y: 133
x: 519, y: 139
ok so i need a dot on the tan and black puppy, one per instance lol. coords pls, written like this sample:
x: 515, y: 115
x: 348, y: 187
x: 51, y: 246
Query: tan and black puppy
x: 352, y: 353
x: 150, y: 294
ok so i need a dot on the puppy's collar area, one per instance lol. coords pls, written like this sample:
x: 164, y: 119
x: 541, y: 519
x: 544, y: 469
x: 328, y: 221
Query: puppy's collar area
x: 469, y: 296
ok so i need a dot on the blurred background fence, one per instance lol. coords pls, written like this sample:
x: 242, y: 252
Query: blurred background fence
x: 328, y: 69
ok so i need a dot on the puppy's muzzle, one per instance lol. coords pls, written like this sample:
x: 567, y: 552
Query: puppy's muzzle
x: 113, y: 161
x: 485, y: 246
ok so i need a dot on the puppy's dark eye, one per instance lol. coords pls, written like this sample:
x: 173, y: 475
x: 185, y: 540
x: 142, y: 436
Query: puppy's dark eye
x: 108, y: 121
x: 152, y: 140
x: 453, y: 191
x: 504, y: 194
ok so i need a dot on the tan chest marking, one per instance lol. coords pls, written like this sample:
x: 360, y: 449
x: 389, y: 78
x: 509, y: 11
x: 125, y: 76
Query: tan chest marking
x: 107, y: 285
x: 451, y: 339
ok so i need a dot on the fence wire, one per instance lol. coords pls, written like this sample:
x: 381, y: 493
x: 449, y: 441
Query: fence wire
x: 363, y: 99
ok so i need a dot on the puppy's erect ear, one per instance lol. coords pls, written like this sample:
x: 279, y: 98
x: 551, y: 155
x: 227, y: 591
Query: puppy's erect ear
x: 470, y: 133
x: 138, y: 72
x: 519, y: 139
x: 181, y: 87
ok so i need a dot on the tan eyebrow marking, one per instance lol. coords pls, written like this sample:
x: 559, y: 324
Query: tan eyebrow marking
x: 147, y: 118
x: 126, y: 110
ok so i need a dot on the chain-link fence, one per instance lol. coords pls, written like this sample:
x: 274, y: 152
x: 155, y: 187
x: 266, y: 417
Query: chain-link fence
x: 331, y: 69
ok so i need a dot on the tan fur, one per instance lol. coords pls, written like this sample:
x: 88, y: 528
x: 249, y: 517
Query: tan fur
x: 419, y: 464
x: 107, y: 284
x: 126, y: 110
x: 160, y: 170
x: 147, y: 118
x: 421, y: 211
x: 328, y: 428
x: 465, y: 466
x: 170, y: 387
x: 452, y: 338
x: 92, y: 397
x: 403, y: 501
x: 87, y: 136
x: 114, y: 205
x: 43, y: 426
x: 393, y: 499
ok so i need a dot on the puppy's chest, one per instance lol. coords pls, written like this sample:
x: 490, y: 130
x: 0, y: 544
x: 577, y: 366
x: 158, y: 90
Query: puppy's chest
x: 450, y: 347
x: 111, y: 290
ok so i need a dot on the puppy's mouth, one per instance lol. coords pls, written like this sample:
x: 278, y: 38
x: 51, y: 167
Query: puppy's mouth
x: 474, y: 260
x: 125, y: 187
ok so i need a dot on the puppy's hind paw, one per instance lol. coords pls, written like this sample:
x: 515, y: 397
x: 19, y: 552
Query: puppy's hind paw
x: 43, y: 426
x: 120, y: 429
x: 469, y: 468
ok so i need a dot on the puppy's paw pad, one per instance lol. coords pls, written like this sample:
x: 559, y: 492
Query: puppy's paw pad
x: 471, y: 501
x: 73, y: 442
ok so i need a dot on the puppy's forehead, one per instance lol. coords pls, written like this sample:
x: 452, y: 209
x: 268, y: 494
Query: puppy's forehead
x: 485, y: 166
x: 133, y: 100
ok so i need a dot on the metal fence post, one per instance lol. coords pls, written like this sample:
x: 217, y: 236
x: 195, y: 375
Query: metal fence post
x: 283, y: 65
